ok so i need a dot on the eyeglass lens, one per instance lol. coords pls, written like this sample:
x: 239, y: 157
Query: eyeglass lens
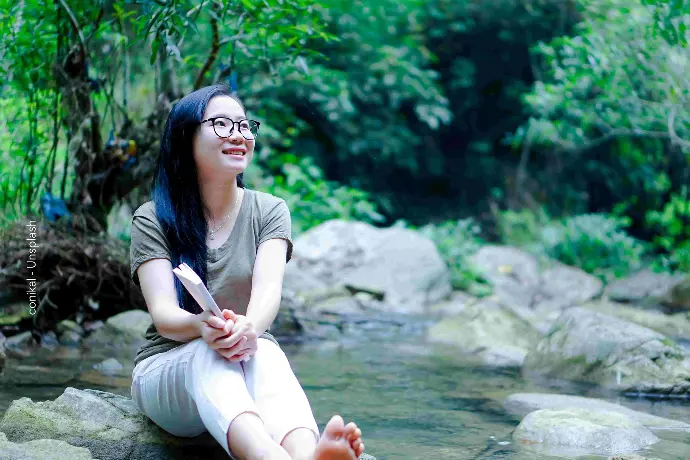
x: 224, y: 127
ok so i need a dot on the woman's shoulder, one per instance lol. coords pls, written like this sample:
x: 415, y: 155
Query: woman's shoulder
x: 147, y: 211
x: 264, y: 199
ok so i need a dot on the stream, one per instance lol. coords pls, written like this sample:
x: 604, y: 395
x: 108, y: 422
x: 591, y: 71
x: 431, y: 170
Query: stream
x: 412, y: 400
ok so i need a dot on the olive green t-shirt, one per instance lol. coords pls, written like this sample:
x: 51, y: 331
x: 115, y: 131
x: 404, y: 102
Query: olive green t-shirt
x: 261, y: 217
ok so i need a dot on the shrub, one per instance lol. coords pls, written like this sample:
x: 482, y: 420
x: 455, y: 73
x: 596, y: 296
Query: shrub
x: 456, y: 242
x: 596, y: 243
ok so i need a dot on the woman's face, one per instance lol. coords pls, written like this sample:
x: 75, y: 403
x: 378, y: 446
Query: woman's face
x: 216, y: 156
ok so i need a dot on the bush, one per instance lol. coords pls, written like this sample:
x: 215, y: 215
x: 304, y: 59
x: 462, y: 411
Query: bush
x: 521, y: 228
x: 456, y: 242
x: 596, y: 243
x: 313, y: 200
x: 672, y: 226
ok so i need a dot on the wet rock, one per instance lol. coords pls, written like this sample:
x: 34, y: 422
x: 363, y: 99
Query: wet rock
x: 108, y: 425
x: 675, y: 326
x: 400, y: 265
x: 486, y: 329
x: 41, y: 449
x: 593, y: 347
x: 522, y: 404
x: 579, y: 431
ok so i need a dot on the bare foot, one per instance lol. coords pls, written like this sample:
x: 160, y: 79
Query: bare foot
x: 339, y: 442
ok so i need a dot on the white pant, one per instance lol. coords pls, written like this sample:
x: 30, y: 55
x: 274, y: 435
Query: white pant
x: 192, y: 389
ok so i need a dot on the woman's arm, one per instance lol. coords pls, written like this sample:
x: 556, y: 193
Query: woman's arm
x: 158, y: 287
x: 267, y: 283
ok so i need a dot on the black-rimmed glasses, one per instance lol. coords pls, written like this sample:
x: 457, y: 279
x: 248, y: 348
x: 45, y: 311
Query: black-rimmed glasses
x: 224, y: 127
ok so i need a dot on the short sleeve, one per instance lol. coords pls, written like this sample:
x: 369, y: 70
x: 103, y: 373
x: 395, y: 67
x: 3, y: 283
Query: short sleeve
x: 276, y: 223
x: 147, y: 242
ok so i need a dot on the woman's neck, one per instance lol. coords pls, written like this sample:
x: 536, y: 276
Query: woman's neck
x: 219, y: 197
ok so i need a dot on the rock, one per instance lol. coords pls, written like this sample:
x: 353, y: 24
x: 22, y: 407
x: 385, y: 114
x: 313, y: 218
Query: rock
x: 513, y: 273
x: 456, y: 304
x: 631, y: 457
x: 676, y: 326
x: 579, y: 431
x: 563, y: 286
x: 70, y: 339
x: 400, y: 265
x: 126, y: 329
x: 68, y: 325
x: 593, y: 347
x: 522, y: 404
x: 41, y: 449
x: 108, y: 425
x: 109, y: 367
x: 497, y: 335
x: 3, y: 357
x: 49, y: 340
x: 20, y: 345
x: 536, y: 295
x: 19, y: 374
x: 679, y: 298
x: 642, y: 286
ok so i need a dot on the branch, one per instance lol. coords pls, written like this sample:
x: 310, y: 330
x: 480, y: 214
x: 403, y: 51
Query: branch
x: 213, y: 55
x: 75, y: 25
x: 616, y: 133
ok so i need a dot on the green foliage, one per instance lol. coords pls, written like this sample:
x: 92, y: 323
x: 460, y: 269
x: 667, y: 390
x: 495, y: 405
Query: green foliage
x: 673, y: 230
x: 521, y: 228
x: 457, y: 241
x: 312, y: 199
x: 596, y: 243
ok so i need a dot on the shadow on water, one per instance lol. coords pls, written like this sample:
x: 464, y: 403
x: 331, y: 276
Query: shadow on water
x: 411, y: 399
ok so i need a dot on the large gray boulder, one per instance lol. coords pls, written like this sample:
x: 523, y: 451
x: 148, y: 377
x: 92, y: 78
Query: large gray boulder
x: 41, y: 449
x: 522, y: 404
x: 400, y: 266
x: 488, y: 330
x: 108, y: 425
x: 536, y: 291
x: 588, y: 346
x: 573, y: 432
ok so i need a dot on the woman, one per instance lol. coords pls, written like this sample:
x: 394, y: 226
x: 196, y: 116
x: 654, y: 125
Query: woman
x: 198, y: 372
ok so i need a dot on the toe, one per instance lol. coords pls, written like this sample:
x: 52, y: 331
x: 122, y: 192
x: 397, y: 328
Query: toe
x: 335, y: 427
x: 350, y: 430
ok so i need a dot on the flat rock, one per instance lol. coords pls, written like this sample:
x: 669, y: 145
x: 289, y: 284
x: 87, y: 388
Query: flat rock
x: 522, y: 404
x: 579, y: 431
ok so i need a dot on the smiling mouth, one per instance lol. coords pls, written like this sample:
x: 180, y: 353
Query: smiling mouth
x: 240, y: 153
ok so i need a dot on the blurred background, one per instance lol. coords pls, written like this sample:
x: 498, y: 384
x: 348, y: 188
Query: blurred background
x: 503, y: 161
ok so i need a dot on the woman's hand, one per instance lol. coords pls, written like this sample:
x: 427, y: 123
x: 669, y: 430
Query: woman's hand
x: 213, y: 330
x: 242, y: 344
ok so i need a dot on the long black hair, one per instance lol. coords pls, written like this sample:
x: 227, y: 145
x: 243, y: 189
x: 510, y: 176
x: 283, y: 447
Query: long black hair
x: 175, y: 188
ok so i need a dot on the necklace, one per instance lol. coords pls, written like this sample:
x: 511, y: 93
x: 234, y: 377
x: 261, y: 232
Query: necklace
x: 213, y: 231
